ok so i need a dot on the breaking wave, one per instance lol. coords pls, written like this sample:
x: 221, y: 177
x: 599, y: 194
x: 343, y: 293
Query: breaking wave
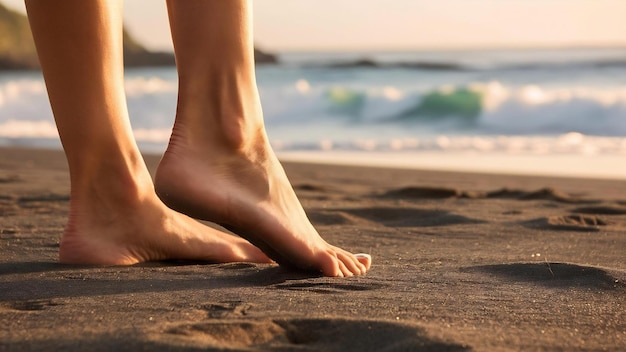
x: 483, y: 108
x: 477, y: 116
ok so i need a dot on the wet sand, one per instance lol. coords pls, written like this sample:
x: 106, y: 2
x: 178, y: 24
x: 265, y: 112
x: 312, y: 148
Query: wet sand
x: 462, y: 261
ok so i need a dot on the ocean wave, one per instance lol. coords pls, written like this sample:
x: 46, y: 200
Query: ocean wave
x: 16, y: 129
x: 480, y: 108
x: 26, y: 89
x: 483, y: 108
x: 140, y: 86
x: 572, y: 143
x: 28, y: 129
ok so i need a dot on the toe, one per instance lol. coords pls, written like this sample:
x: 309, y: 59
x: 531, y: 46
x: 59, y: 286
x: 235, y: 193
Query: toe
x: 344, y: 270
x: 365, y: 260
x: 351, y: 263
x: 329, y: 264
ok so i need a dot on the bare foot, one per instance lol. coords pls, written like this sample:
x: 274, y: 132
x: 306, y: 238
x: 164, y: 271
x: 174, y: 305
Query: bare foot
x: 247, y: 191
x: 133, y: 226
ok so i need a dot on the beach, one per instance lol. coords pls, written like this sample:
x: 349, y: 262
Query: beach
x: 461, y: 261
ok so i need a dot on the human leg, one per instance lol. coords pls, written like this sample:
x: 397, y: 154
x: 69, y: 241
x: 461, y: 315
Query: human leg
x: 219, y: 165
x: 115, y: 215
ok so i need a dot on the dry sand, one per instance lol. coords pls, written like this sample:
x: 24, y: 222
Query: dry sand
x: 461, y: 262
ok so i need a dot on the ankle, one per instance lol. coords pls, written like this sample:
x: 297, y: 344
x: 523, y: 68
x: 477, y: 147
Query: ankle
x: 112, y: 181
x: 220, y: 108
x: 211, y: 130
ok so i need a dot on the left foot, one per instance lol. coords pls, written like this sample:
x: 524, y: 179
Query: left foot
x: 116, y: 218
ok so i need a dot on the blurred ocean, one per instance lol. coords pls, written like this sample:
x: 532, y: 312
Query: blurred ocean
x: 398, y: 109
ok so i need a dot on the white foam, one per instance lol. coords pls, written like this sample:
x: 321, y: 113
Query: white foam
x: 28, y: 129
x: 140, y: 86
x: 573, y: 143
x: 17, y: 129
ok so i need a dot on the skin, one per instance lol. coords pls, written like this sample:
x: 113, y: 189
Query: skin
x: 218, y: 166
x: 115, y: 216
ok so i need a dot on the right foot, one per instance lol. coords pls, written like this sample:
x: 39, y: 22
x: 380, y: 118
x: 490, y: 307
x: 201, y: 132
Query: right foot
x: 247, y: 191
x: 134, y: 226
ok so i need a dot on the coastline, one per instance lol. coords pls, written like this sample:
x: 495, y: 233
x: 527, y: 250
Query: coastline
x: 462, y: 261
x: 555, y: 165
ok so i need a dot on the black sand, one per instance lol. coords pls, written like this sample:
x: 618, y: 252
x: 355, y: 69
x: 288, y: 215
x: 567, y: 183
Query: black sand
x: 461, y: 262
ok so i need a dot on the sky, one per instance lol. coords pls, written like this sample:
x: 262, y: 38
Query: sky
x: 319, y: 25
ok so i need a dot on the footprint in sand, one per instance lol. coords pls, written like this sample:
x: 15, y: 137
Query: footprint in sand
x: 416, y: 192
x: 584, y: 223
x: 604, y: 210
x: 8, y: 205
x: 10, y: 178
x: 45, y: 198
x: 31, y: 305
x: 327, y: 218
x: 555, y: 274
x: 308, y: 191
x: 334, y: 334
x: 410, y: 217
x: 542, y: 194
x: 310, y: 187
x: 226, y: 309
x: 329, y: 287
